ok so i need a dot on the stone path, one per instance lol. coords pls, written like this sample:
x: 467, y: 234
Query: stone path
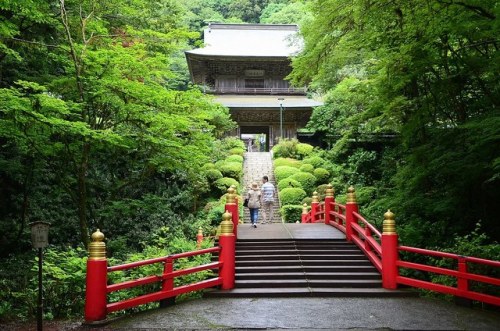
x: 257, y: 165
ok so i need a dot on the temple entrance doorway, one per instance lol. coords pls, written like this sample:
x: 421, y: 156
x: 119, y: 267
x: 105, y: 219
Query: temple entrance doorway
x: 256, y: 138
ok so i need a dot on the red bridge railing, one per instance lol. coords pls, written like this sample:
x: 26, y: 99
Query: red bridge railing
x: 382, y: 249
x: 97, y: 306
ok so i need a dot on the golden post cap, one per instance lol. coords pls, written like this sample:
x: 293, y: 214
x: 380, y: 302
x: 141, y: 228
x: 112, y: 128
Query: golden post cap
x: 329, y: 190
x: 226, y: 224
x: 97, y: 248
x: 304, y: 208
x: 315, y: 197
x: 389, y: 225
x: 351, y: 195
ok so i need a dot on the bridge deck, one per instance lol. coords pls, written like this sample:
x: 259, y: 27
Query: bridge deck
x: 289, y: 231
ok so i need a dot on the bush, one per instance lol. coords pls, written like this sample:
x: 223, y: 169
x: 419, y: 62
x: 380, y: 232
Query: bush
x: 237, y: 151
x: 307, y: 168
x: 291, y: 213
x: 213, y: 175
x: 232, y: 170
x: 322, y: 175
x: 321, y: 190
x: 304, y: 150
x: 316, y: 161
x: 287, y: 162
x: 287, y: 182
x: 307, y: 201
x: 292, y: 196
x: 224, y: 183
x: 286, y: 148
x: 208, y: 166
x: 307, y: 180
x: 283, y: 172
x: 234, y: 158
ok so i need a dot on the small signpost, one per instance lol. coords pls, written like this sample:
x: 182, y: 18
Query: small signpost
x: 40, y: 239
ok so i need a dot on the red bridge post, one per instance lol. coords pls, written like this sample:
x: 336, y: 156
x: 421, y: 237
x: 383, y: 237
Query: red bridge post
x: 304, y: 213
x: 350, y: 208
x: 329, y: 200
x: 168, y: 283
x: 227, y: 243
x: 232, y: 208
x: 96, y: 280
x: 314, y: 206
x: 389, y: 252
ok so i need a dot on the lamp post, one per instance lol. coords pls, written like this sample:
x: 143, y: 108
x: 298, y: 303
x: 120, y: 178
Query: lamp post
x: 39, y: 239
x: 281, y: 117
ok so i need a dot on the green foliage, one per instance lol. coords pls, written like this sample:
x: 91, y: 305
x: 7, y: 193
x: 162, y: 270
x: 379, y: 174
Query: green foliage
x: 234, y: 158
x: 288, y: 182
x: 292, y: 196
x: 232, y: 170
x: 315, y: 161
x: 286, y: 162
x: 291, y: 213
x: 307, y: 168
x: 294, y: 12
x: 307, y: 180
x: 283, y: 172
x: 304, y: 150
x: 213, y: 175
x: 322, y: 175
x: 237, y: 151
x: 224, y: 183
x: 286, y: 148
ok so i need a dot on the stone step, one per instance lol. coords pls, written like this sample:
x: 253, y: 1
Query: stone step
x: 330, y: 283
x: 309, y: 275
x: 305, y: 263
x: 306, y: 269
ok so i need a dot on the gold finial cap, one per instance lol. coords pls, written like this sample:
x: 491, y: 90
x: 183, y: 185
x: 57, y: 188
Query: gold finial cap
x: 351, y: 195
x: 315, y: 197
x: 230, y: 196
x: 389, y: 225
x: 304, y: 209
x: 200, y: 231
x: 226, y: 224
x: 97, y: 248
x: 329, y: 190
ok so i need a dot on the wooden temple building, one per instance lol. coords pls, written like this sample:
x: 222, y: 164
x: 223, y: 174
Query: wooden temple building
x: 244, y: 66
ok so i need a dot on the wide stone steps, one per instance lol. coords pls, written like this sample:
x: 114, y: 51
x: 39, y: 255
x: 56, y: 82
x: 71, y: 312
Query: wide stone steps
x: 303, y: 267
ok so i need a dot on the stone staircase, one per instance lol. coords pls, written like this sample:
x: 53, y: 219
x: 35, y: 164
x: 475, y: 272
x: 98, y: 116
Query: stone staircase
x: 304, y: 268
x: 255, y: 166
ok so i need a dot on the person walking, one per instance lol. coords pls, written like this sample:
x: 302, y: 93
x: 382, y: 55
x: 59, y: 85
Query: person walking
x: 268, y: 195
x: 254, y: 196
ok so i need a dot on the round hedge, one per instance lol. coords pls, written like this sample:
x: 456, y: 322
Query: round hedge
x: 292, y: 196
x: 307, y: 201
x: 307, y: 180
x: 285, y: 161
x: 322, y: 175
x: 232, y: 170
x: 283, y: 172
x: 287, y: 182
x: 307, y: 168
x: 237, y: 151
x: 291, y: 213
x: 304, y: 150
x: 207, y: 166
x: 234, y: 158
x: 224, y: 183
x: 316, y: 161
x: 213, y: 175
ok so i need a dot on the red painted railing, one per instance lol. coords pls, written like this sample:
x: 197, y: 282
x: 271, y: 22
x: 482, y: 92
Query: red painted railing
x: 382, y: 249
x: 96, y: 303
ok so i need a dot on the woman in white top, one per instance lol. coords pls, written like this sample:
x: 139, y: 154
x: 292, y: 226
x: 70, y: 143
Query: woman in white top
x: 253, y: 196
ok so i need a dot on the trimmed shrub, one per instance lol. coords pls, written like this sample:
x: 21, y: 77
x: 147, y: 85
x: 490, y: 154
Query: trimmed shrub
x: 207, y: 166
x: 234, y: 158
x: 287, y: 182
x: 224, y: 183
x: 304, y: 150
x: 365, y: 195
x: 307, y: 180
x: 316, y: 161
x: 283, y: 172
x: 286, y: 148
x: 282, y: 161
x: 292, y: 196
x: 321, y: 190
x: 307, y: 168
x: 237, y: 151
x: 322, y: 175
x: 232, y: 170
x: 291, y: 213
x: 213, y: 175
x: 307, y: 201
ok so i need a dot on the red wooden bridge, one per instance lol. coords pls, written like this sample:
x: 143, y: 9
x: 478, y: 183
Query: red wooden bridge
x: 334, y: 251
